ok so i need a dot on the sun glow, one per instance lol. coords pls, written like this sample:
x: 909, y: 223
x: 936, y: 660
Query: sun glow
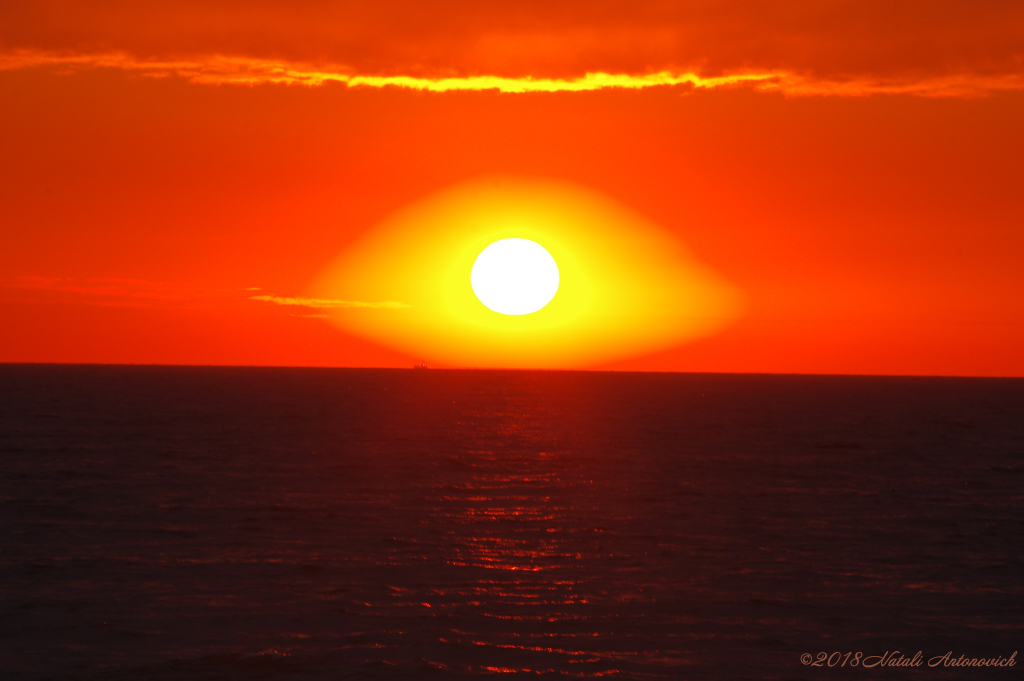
x: 514, y: 276
x: 480, y: 290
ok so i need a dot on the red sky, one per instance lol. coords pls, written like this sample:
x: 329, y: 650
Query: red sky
x: 865, y: 195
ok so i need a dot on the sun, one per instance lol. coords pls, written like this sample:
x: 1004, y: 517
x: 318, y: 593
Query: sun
x: 514, y: 277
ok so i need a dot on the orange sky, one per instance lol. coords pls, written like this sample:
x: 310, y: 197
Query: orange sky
x: 864, y: 191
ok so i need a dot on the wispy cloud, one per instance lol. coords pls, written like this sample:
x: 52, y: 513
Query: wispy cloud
x: 222, y: 70
x: 143, y: 293
x: 107, y: 291
x: 227, y: 70
x: 326, y: 304
x: 951, y: 86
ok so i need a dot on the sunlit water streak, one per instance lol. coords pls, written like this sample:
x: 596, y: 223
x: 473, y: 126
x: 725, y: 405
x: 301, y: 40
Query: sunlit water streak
x: 273, y: 523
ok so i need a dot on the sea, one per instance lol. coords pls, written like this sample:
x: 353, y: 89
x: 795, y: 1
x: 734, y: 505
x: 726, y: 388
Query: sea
x: 310, y: 523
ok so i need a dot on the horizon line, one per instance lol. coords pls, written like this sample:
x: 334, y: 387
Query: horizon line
x: 548, y: 369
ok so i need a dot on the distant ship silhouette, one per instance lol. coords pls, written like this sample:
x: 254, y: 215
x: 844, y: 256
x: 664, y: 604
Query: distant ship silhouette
x: 420, y: 366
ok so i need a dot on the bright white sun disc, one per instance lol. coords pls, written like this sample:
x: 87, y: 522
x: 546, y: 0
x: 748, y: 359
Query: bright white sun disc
x: 514, y: 276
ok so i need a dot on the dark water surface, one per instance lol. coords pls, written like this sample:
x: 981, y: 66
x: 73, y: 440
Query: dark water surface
x: 237, y: 523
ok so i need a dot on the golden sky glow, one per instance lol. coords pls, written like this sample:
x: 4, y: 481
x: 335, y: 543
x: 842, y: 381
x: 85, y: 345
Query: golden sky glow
x: 626, y: 286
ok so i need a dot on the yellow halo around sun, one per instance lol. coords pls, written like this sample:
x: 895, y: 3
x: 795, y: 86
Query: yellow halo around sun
x: 514, y: 276
x: 514, y: 272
